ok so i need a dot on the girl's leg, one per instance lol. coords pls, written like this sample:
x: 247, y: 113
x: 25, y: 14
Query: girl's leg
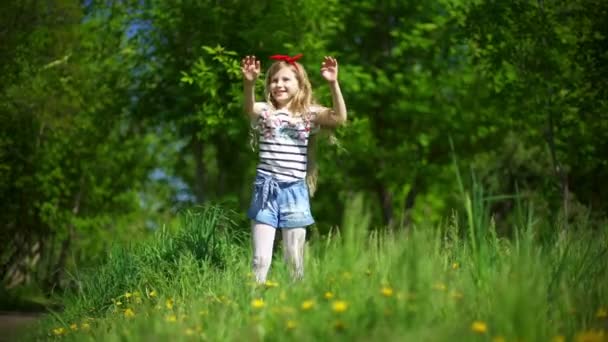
x: 263, y: 241
x: 293, y: 250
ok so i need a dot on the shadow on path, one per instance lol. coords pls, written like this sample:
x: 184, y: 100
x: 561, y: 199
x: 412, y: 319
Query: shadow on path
x: 14, y: 322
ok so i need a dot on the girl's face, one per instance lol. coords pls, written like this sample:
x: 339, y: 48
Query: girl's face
x: 284, y: 86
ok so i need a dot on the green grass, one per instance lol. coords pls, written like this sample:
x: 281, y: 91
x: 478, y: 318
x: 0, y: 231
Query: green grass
x: 459, y: 281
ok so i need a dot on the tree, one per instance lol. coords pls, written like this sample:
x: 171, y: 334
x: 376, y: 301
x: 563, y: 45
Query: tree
x: 71, y: 160
x: 544, y: 62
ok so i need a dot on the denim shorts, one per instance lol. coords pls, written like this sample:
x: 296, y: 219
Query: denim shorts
x: 280, y: 204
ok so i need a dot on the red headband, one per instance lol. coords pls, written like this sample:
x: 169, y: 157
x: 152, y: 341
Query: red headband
x: 286, y: 58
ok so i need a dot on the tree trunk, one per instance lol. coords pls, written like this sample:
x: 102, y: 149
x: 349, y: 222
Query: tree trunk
x: 410, y: 200
x: 59, y: 268
x: 560, y: 174
x: 199, y: 176
x: 386, y: 203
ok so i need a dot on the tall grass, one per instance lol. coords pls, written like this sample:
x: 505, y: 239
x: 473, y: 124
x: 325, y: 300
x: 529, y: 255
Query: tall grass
x: 459, y: 281
x: 205, y: 240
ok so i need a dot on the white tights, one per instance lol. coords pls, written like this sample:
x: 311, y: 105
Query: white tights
x: 263, y: 241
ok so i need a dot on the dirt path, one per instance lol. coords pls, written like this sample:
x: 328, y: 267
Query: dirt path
x: 11, y: 323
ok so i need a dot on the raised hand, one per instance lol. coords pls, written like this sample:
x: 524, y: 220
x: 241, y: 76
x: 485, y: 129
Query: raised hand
x: 250, y: 68
x: 329, y: 69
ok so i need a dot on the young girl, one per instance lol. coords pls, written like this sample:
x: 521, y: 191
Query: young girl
x: 284, y: 122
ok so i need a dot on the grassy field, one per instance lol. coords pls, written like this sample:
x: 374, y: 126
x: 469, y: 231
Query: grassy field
x: 456, y: 282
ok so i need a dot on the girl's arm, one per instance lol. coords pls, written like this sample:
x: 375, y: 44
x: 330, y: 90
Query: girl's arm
x: 251, y: 70
x: 249, y: 98
x: 336, y: 116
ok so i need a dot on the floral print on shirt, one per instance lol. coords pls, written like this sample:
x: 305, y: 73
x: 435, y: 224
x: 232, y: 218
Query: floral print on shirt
x: 270, y: 126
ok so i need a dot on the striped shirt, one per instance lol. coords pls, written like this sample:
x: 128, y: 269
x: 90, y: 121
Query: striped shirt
x: 283, y: 143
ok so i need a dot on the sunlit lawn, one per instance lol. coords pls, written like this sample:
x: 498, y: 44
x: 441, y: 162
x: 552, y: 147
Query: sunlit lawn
x: 426, y: 284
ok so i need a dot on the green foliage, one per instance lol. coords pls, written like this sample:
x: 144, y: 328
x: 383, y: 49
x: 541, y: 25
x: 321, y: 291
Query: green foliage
x: 71, y: 165
x: 116, y: 114
x: 216, y: 78
x: 535, y: 61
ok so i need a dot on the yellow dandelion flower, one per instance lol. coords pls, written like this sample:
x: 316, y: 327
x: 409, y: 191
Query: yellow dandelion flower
x: 558, y: 338
x: 387, y: 291
x: 171, y: 318
x: 339, y: 325
x: 258, y: 303
x: 498, y: 339
x: 59, y: 331
x: 328, y: 295
x: 455, y: 266
x: 152, y: 294
x: 270, y: 284
x: 169, y: 303
x: 85, y: 326
x: 291, y: 324
x: 138, y: 300
x: 129, y: 313
x: 601, y: 313
x: 479, y: 327
x: 308, y: 304
x: 456, y: 294
x: 339, y: 306
x: 590, y: 336
x: 74, y: 326
x: 189, y: 332
x: 439, y: 286
x: 128, y: 295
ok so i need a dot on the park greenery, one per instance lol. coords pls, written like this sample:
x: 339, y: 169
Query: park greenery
x: 192, y: 282
x: 466, y: 195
